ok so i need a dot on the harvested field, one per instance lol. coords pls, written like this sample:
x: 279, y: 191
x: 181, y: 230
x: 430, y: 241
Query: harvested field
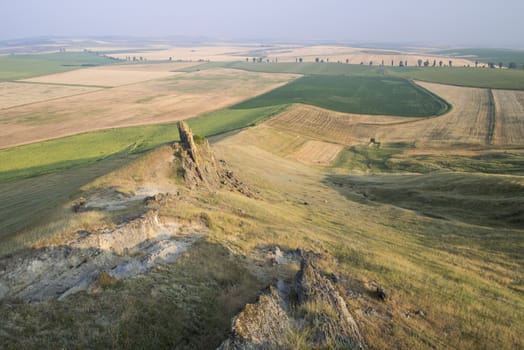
x: 115, y: 75
x: 100, y: 77
x: 317, y: 152
x: 152, y: 102
x: 17, y: 94
x: 509, y: 124
x: 329, y: 126
x: 466, y: 123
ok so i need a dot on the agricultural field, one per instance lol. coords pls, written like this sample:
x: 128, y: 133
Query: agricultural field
x: 177, y: 96
x: 103, y: 77
x: 189, y: 53
x: 487, y: 55
x: 15, y: 67
x: 509, y: 111
x: 473, y: 77
x: 67, y: 152
x: 362, y: 95
x: 14, y: 94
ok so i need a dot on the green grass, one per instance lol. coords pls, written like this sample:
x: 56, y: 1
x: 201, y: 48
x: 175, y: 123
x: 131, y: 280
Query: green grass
x: 64, y: 153
x: 391, y: 158
x: 355, y: 94
x: 15, y: 67
x: 474, y: 77
x: 481, y: 199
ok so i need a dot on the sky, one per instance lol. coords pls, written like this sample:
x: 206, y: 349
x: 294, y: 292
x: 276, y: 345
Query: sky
x: 441, y: 22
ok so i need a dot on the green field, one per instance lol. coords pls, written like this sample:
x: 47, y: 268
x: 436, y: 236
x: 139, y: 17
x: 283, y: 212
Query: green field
x: 67, y: 152
x: 487, y: 55
x: 510, y: 79
x: 15, y: 67
x: 355, y: 94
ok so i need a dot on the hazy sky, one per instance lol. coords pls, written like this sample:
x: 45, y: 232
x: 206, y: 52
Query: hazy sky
x: 453, y: 22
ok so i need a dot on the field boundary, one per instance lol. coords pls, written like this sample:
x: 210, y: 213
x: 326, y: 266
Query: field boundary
x: 446, y: 106
x: 491, y: 118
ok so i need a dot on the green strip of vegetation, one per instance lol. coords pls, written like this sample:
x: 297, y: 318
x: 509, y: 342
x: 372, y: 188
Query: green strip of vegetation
x: 474, y: 77
x: 67, y: 152
x: 15, y: 67
x: 355, y: 94
x: 495, y: 56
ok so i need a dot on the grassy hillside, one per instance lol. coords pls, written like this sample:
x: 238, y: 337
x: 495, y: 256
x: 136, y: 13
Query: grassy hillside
x: 15, y: 67
x: 356, y: 94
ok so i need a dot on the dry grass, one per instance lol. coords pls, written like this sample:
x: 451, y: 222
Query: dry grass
x: 151, y: 102
x: 17, y: 94
x: 509, y: 117
x: 101, y: 77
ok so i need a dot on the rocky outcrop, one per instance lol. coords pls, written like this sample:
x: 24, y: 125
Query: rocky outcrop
x: 131, y: 248
x: 198, y: 163
x: 261, y: 325
x: 199, y: 167
x: 333, y: 321
x: 321, y: 314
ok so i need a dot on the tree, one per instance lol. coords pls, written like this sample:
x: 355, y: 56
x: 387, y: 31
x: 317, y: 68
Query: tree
x: 426, y: 63
x: 300, y: 60
x: 440, y: 63
x: 392, y: 63
x: 491, y: 65
x: 406, y: 63
x: 401, y: 64
x: 382, y: 63
x: 347, y: 60
x: 476, y: 64
x: 254, y: 59
x: 434, y: 63
x: 500, y: 65
x: 370, y: 63
x: 419, y: 62
x: 512, y: 65
x: 450, y: 63
x: 317, y: 59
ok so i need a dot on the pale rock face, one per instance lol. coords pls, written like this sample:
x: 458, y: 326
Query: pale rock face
x: 131, y: 248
